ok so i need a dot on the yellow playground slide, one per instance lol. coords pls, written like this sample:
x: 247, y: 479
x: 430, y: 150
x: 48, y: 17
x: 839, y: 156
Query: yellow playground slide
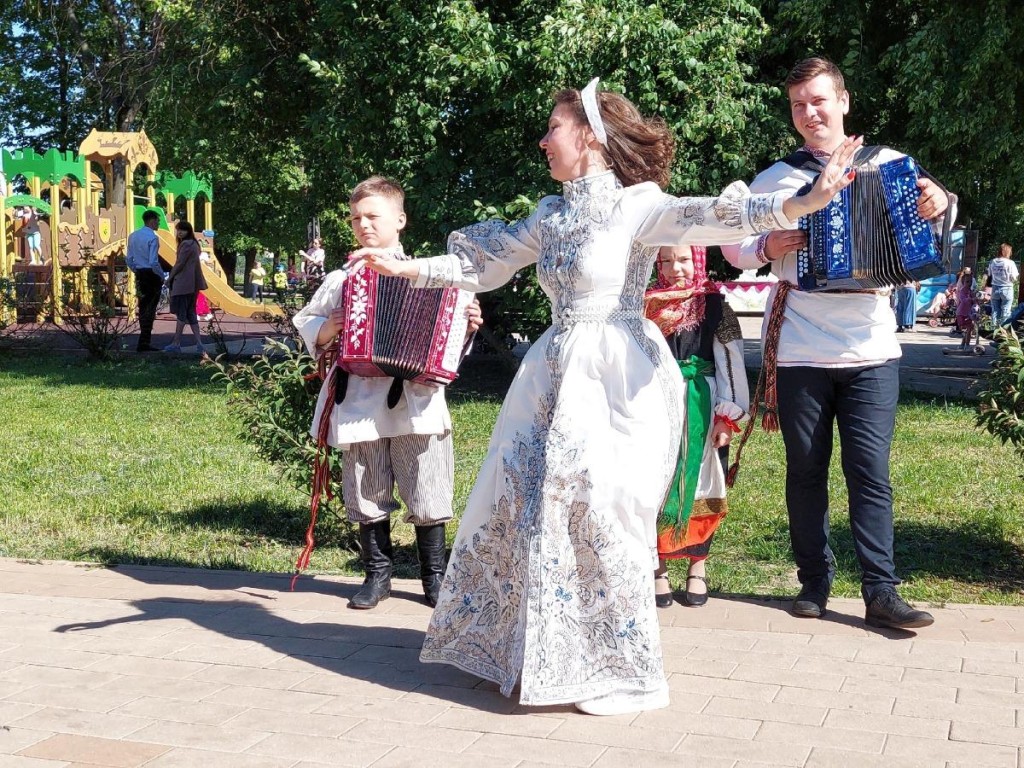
x: 218, y: 291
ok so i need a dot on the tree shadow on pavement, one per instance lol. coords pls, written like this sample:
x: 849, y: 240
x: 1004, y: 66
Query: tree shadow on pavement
x: 365, y: 646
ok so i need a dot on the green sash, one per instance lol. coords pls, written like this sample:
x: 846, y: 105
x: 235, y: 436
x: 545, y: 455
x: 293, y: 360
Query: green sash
x: 679, y: 504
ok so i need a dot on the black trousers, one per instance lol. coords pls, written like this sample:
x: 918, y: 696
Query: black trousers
x: 862, y: 402
x: 147, y: 287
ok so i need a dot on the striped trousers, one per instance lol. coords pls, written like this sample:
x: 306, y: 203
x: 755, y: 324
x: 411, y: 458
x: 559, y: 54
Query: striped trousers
x: 422, y: 466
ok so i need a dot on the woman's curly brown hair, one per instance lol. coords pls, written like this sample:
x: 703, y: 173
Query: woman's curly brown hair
x: 639, y: 149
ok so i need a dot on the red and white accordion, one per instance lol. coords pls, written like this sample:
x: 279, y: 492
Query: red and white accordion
x: 395, y: 330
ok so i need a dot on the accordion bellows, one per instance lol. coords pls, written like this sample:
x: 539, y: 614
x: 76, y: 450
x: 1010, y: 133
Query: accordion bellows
x: 394, y: 329
x: 870, y: 235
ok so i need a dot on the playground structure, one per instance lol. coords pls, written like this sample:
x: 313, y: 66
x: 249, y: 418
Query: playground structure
x: 84, y: 222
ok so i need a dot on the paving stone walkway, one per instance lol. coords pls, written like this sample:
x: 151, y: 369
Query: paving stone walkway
x: 170, y: 667
x: 931, y: 364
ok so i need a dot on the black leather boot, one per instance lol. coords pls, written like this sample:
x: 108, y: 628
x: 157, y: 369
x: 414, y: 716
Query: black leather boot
x: 375, y: 551
x: 430, y: 547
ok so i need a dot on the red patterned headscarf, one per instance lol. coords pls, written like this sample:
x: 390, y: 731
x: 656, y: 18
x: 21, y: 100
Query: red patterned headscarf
x: 675, y: 308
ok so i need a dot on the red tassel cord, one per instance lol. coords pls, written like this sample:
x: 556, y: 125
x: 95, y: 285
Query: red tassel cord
x: 321, y: 465
x: 767, y: 381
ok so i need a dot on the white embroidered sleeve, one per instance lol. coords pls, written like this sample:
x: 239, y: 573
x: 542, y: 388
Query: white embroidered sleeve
x: 728, y: 218
x: 311, y: 317
x: 733, y: 396
x: 750, y: 253
x: 484, y: 256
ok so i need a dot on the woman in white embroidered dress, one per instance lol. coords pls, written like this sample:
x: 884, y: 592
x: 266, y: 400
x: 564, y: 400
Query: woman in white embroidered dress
x: 550, y: 580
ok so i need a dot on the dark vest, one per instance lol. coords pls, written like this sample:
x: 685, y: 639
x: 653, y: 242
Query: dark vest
x: 700, y: 341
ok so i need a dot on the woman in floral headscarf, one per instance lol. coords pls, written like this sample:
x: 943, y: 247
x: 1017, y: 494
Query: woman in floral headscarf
x: 704, y: 336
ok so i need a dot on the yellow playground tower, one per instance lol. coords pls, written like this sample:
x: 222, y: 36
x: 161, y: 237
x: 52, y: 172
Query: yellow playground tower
x: 84, y: 220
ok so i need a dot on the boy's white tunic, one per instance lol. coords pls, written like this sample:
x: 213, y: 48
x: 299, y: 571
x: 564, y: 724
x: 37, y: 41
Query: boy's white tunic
x: 551, y: 574
x: 364, y: 415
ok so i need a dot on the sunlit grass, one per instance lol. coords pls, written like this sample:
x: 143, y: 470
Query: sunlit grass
x: 958, y: 506
x: 140, y: 461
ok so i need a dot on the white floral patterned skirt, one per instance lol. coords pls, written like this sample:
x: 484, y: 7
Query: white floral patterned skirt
x: 551, y: 574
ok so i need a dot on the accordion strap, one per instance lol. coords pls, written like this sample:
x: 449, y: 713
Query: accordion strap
x: 803, y: 160
x: 806, y: 161
x: 946, y: 243
x: 767, y: 380
x: 321, y: 484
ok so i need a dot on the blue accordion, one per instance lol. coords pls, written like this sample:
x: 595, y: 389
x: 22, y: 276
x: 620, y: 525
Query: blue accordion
x: 870, y: 236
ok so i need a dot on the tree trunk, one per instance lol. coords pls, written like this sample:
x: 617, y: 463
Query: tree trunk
x: 250, y: 262
x: 228, y: 260
x: 119, y: 183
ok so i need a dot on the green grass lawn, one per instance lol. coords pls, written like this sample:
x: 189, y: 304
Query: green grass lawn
x: 140, y: 461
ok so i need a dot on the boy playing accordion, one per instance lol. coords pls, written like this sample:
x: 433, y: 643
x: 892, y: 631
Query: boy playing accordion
x: 409, y: 444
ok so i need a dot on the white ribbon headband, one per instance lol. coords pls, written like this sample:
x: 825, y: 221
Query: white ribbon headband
x: 593, y: 112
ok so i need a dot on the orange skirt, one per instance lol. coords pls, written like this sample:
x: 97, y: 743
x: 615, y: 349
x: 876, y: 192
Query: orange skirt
x: 695, y: 541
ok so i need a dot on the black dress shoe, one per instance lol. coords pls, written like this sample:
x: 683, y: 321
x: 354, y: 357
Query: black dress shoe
x: 811, y: 602
x: 888, y: 609
x: 694, y: 598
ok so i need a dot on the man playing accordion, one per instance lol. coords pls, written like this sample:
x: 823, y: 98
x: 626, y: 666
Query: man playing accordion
x: 837, y: 363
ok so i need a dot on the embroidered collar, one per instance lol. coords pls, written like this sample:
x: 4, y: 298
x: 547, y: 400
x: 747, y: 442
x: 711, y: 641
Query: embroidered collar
x: 397, y: 253
x: 820, y: 154
x: 590, y: 186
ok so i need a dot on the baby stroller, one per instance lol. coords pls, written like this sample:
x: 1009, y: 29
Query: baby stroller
x: 164, y: 305
x: 945, y: 316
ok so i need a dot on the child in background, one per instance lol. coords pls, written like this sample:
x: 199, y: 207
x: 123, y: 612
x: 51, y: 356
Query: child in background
x: 280, y: 283
x: 203, y: 310
x: 30, y: 231
x: 704, y: 335
x: 256, y: 276
x: 966, y: 306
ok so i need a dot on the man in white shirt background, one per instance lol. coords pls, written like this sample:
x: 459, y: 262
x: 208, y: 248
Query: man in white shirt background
x: 143, y: 259
x: 1002, y: 274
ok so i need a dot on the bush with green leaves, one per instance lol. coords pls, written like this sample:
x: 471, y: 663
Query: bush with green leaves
x: 99, y: 329
x: 274, y: 397
x: 1001, y: 406
x: 8, y: 305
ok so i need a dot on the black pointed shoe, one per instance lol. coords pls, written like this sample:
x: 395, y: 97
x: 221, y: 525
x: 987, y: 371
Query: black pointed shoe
x: 375, y: 551
x: 888, y: 609
x: 663, y: 599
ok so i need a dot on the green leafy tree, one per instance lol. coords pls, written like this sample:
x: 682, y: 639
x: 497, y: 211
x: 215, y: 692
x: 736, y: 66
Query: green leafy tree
x: 457, y: 119
x: 40, y: 80
x: 236, y: 110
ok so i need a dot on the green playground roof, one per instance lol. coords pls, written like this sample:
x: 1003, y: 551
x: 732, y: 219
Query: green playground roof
x: 188, y: 185
x: 15, y: 200
x: 52, y: 166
